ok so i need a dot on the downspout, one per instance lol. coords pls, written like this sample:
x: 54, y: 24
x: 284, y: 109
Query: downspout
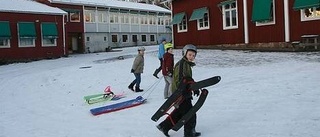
x: 64, y: 35
x: 286, y: 21
x: 245, y: 22
x: 84, y: 30
x: 172, y: 39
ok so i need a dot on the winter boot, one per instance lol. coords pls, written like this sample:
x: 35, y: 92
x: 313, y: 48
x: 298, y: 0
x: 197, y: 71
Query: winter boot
x: 192, y: 134
x: 138, y: 89
x: 131, y: 86
x: 155, y: 74
x: 163, y: 130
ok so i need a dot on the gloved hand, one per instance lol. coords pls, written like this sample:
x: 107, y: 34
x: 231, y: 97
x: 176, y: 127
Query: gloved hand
x: 132, y: 70
x: 188, y: 81
x: 196, y: 92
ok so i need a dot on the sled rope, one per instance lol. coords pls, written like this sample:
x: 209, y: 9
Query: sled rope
x: 151, y: 88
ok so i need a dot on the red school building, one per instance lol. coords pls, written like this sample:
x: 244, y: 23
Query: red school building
x: 246, y: 24
x: 30, y: 30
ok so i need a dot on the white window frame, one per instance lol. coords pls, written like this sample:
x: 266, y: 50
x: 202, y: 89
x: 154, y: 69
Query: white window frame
x: 183, y: 25
x: 6, y: 43
x: 72, y: 13
x: 230, y: 11
x: 144, y: 20
x: 32, y: 39
x: 102, y: 16
x: 168, y: 20
x: 203, y: 21
x: 114, y: 16
x: 54, y: 44
x: 269, y: 22
x: 315, y: 15
x: 91, y: 15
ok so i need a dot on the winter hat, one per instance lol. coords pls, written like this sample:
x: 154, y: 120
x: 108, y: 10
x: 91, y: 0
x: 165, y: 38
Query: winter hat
x: 141, y: 49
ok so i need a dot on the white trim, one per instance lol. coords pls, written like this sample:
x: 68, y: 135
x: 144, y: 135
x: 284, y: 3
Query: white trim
x: 303, y: 18
x: 49, y: 45
x: 230, y: 11
x: 271, y: 22
x: 8, y: 43
x: 181, y: 24
x: 204, y: 27
x: 23, y: 46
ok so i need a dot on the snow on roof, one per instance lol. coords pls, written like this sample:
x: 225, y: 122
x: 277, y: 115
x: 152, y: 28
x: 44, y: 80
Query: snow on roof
x: 115, y: 4
x: 28, y: 6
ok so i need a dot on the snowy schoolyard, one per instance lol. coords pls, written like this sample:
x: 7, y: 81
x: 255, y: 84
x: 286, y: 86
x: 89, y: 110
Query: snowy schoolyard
x: 261, y: 94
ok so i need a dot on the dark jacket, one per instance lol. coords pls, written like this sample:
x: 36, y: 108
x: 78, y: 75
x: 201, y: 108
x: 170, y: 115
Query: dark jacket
x: 167, y: 66
x: 182, y: 69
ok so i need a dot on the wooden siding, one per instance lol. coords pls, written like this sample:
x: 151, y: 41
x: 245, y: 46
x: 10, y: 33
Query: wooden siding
x: 26, y: 53
x: 214, y: 36
x: 298, y: 27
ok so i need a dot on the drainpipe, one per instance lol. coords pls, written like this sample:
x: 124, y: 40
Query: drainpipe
x: 286, y: 21
x: 172, y: 39
x: 64, y: 35
x: 245, y: 22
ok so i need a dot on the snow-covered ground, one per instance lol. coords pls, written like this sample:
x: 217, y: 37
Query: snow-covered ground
x: 261, y: 94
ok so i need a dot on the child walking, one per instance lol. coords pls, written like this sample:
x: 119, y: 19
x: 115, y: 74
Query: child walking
x: 137, y: 69
x: 182, y: 74
x: 167, y: 69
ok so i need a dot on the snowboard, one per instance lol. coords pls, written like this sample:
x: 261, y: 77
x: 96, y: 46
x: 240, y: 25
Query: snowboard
x: 176, y: 98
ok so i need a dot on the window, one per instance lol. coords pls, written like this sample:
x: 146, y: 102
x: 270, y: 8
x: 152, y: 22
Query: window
x: 49, y: 34
x: 204, y: 22
x: 125, y: 38
x: 113, y: 17
x: 310, y: 14
x: 102, y: 16
x: 75, y: 16
x: 87, y: 38
x: 27, y: 34
x: 182, y: 26
x: 152, y: 38
x: 105, y: 39
x: 5, y: 34
x: 89, y: 16
x: 49, y: 41
x: 134, y: 38
x: 167, y: 20
x: 26, y: 42
x: 4, y: 43
x: 144, y: 19
x: 230, y: 17
x: 271, y: 18
x: 144, y: 38
x: 114, y: 38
